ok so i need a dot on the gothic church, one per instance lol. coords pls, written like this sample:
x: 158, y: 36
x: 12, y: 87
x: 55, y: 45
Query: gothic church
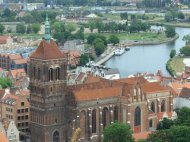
x: 57, y: 110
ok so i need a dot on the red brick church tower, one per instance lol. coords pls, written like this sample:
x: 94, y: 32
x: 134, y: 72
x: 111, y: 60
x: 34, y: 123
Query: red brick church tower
x: 48, y: 84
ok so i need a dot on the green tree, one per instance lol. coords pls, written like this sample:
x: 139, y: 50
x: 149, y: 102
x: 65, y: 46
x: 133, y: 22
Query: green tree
x: 28, y: 18
x: 185, y: 50
x: 180, y: 15
x: 70, y: 27
x: 165, y: 124
x: 113, y: 39
x: 36, y: 27
x: 118, y: 132
x: 95, y: 23
x: 20, y: 28
x: 58, y: 27
x: 172, y: 53
x: 168, y: 17
x: 84, y: 58
x: 124, y: 16
x: 159, y: 136
x: 29, y: 29
x: 79, y: 35
x: 99, y: 46
x: 92, y: 37
x: 5, y: 82
x: 2, y: 28
x: 170, y: 31
x: 183, y: 116
x: 6, y: 12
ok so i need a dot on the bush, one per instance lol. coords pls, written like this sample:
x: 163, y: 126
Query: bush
x: 169, y: 68
x: 113, y: 39
x: 185, y: 50
x: 170, y: 31
x: 172, y: 53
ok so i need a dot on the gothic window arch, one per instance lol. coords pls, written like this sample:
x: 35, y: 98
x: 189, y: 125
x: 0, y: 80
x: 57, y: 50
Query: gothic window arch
x: 135, y: 94
x: 105, y: 117
x: 94, y: 121
x: 56, y: 136
x: 152, y: 107
x: 150, y: 123
x: 39, y: 73
x: 34, y: 72
x: 50, y: 74
x: 116, y: 109
x: 163, y: 106
x: 83, y: 123
x: 58, y: 73
x: 137, y: 116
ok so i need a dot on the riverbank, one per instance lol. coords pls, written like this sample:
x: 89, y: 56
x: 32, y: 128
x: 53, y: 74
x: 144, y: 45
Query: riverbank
x: 175, y: 66
x: 153, y: 43
x: 109, y: 53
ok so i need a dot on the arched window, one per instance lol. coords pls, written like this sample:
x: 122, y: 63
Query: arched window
x: 137, y: 116
x: 105, y: 117
x: 56, y: 136
x: 134, y: 93
x: 163, y: 106
x: 83, y: 123
x: 50, y: 74
x: 116, y: 109
x: 152, y: 107
x: 39, y: 73
x: 94, y: 121
x: 57, y: 73
x: 150, y: 123
x: 34, y: 71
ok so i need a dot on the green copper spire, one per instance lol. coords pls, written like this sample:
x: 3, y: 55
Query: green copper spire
x: 47, y: 35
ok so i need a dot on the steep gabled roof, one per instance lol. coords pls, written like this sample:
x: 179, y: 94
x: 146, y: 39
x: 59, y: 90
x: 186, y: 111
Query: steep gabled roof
x: 154, y: 87
x: 47, y: 50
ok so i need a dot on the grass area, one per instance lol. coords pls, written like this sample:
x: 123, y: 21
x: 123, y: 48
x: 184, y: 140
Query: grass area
x: 30, y: 36
x: 177, y: 64
x: 178, y: 24
x: 112, y: 16
x: 145, y: 36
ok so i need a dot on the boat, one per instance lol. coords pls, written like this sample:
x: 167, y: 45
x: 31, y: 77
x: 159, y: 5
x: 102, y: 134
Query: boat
x: 127, y: 48
x: 119, y: 51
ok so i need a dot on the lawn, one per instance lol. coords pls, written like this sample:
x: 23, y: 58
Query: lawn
x: 29, y: 36
x: 145, y: 36
x: 177, y: 64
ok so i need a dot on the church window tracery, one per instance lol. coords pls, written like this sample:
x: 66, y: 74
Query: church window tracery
x: 137, y: 116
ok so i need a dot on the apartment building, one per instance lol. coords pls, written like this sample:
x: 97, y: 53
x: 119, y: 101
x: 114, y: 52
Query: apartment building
x: 15, y: 106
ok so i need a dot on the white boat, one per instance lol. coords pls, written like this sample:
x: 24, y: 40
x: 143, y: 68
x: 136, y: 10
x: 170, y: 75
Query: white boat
x: 119, y: 51
x: 127, y: 48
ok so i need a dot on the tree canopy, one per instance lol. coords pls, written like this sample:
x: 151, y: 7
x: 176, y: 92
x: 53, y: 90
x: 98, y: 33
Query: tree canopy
x: 118, y: 132
x: 5, y: 82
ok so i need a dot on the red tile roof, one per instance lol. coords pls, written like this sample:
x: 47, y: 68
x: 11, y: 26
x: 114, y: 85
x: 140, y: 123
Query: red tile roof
x: 133, y: 80
x: 93, y: 94
x: 47, y: 50
x: 17, y: 72
x: 154, y: 87
x: 11, y: 56
x: 20, y: 61
x: 3, y: 39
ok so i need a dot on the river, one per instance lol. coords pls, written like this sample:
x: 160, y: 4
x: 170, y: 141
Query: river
x: 147, y: 58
